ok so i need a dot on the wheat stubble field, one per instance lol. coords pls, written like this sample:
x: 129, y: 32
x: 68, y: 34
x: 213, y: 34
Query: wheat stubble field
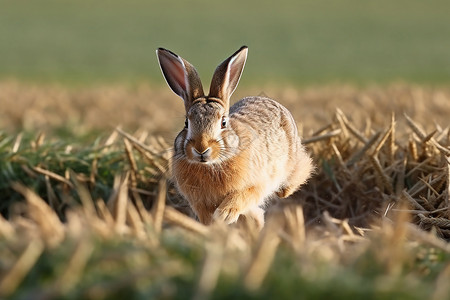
x: 87, y: 212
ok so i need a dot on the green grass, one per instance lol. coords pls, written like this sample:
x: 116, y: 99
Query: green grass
x: 57, y: 155
x: 298, y: 42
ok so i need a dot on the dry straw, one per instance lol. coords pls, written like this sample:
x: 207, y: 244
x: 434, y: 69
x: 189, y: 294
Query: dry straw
x: 370, y: 185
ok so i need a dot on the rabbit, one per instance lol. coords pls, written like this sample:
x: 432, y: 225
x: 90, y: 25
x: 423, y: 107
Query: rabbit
x: 228, y: 161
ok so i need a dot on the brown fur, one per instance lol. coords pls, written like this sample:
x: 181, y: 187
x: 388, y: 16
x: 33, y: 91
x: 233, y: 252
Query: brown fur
x: 206, y: 188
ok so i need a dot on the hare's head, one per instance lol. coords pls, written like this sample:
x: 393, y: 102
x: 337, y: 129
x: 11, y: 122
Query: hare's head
x: 206, y: 134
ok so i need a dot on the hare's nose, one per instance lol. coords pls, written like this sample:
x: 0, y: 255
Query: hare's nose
x: 203, y: 154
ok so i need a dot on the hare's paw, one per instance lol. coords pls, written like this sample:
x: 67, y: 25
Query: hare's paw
x: 253, y: 218
x: 228, y: 214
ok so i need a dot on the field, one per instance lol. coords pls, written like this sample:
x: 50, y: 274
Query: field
x: 82, y: 42
x: 100, y: 221
x: 87, y: 207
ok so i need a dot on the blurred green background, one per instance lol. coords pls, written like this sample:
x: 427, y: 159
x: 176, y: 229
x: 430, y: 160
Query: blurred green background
x: 290, y: 41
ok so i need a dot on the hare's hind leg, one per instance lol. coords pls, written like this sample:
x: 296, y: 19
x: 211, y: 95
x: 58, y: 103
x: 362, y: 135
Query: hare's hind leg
x: 302, y: 171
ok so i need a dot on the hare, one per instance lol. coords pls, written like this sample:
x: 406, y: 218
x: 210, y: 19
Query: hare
x: 228, y: 161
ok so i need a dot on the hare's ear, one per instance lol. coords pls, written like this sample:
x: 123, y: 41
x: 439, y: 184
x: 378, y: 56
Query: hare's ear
x: 180, y: 75
x: 227, y: 75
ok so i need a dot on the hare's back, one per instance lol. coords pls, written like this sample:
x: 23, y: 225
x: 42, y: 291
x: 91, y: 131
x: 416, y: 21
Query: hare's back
x: 264, y: 114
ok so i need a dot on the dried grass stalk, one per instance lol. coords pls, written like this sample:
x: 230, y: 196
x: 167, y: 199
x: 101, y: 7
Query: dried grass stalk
x: 411, y: 200
x: 132, y: 162
x: 12, y: 279
x: 53, y: 176
x: 439, y: 222
x: 322, y: 137
x: 211, y: 268
x: 385, y: 180
x: 358, y: 155
x: 175, y: 217
x: 351, y: 127
x: 159, y: 206
x: 76, y: 265
x: 264, y: 255
x: 50, y: 227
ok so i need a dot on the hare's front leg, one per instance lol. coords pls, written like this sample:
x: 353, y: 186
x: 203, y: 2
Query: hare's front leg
x: 203, y: 212
x: 240, y: 202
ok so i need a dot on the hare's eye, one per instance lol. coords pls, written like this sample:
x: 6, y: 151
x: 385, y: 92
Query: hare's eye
x: 186, y: 123
x: 224, y: 122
